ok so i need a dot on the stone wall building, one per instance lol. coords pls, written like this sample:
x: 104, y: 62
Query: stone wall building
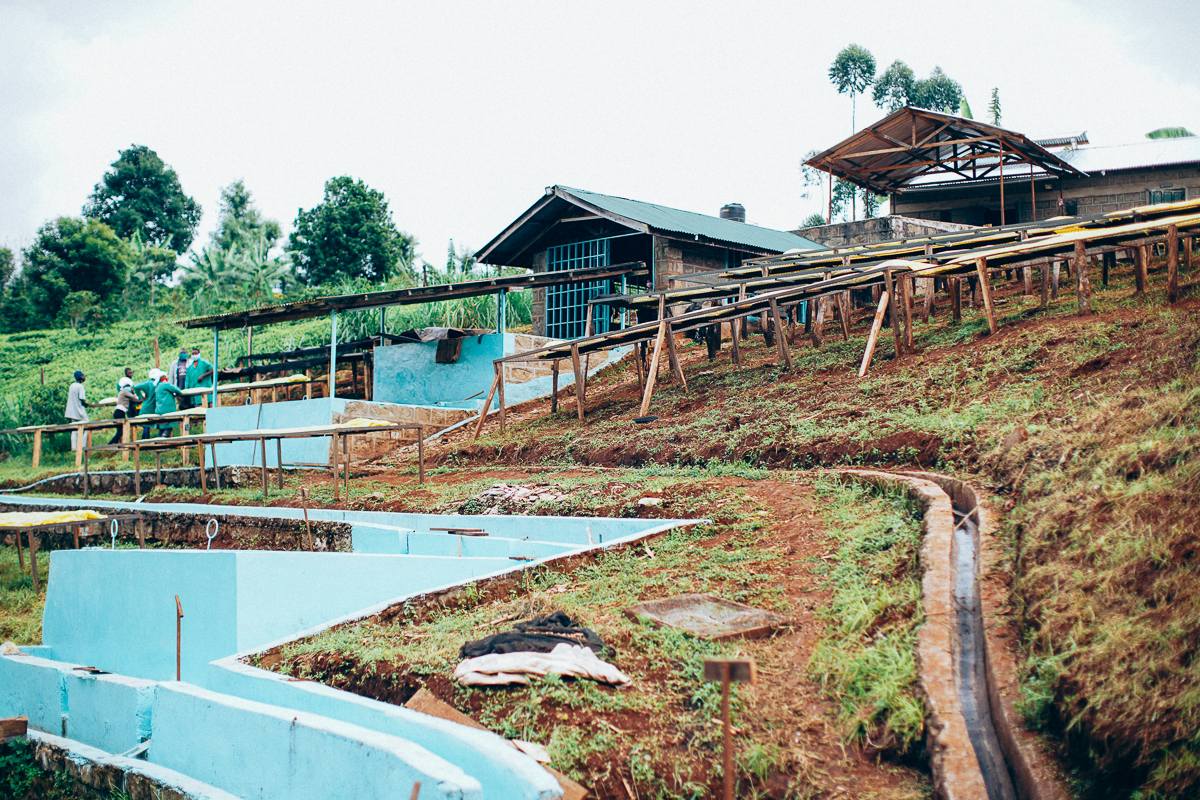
x: 878, y: 229
x: 571, y: 228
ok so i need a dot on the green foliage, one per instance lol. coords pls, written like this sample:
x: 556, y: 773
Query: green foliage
x: 20, y: 607
x: 70, y: 255
x: 899, y: 87
x: 894, y: 89
x: 1169, y: 133
x: 22, y: 779
x: 994, y: 107
x: 853, y: 70
x: 813, y: 220
x: 938, y: 92
x: 350, y: 234
x: 143, y: 195
x: 964, y: 109
x: 8, y: 265
x: 77, y: 305
x: 239, y: 222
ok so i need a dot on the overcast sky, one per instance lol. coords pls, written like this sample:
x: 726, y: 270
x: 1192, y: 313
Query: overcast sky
x: 463, y: 112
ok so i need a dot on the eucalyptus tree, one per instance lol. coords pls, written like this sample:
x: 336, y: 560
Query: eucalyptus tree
x: 853, y: 70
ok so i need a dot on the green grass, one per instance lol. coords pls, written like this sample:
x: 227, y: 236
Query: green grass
x: 20, y: 608
x: 22, y: 779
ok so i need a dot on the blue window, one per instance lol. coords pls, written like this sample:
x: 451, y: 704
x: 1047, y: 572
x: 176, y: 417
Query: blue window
x: 566, y: 305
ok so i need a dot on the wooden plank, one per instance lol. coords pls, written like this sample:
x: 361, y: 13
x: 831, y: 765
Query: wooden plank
x: 890, y: 290
x: 333, y: 465
x: 579, y: 388
x: 985, y: 286
x: 12, y: 727
x: 674, y: 358
x: 1189, y: 242
x: 876, y: 324
x: 780, y: 339
x: 652, y: 373
x: 1083, y: 288
x: 426, y: 702
x: 1172, y: 263
x: 487, y: 405
x: 906, y: 305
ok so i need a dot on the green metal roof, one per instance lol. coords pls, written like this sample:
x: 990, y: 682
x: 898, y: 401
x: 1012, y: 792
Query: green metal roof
x: 692, y: 224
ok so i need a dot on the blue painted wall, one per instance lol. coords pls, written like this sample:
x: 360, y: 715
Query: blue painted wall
x: 409, y: 373
x: 286, y: 414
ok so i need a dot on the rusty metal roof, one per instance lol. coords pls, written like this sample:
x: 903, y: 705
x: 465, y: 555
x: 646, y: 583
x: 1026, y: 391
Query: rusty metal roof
x: 913, y: 143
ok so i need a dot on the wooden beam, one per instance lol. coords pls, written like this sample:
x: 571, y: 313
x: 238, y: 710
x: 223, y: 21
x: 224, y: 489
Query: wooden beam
x: 876, y: 324
x: 955, y: 287
x: 906, y: 303
x: 985, y: 286
x: 1054, y: 279
x: 780, y: 339
x: 487, y: 406
x: 652, y: 372
x: 890, y: 290
x: 1083, y: 288
x: 579, y: 387
x: 1172, y: 263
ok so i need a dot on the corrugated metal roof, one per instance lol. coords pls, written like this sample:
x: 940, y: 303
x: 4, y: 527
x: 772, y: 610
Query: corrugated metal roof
x: 690, y: 223
x: 1150, y: 153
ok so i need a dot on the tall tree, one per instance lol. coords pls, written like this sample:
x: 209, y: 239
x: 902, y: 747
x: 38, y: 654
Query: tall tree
x: 143, y: 195
x: 938, y: 92
x: 240, y: 222
x: 894, y: 89
x: 853, y: 70
x: 72, y: 255
x: 8, y: 265
x: 994, y: 107
x: 350, y: 234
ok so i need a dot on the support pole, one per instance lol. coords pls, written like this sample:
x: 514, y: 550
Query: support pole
x: 37, y: 448
x: 727, y: 732
x: 876, y: 324
x: 843, y: 304
x: 554, y: 382
x: 33, y: 548
x: 1027, y: 276
x: 1141, y: 269
x: 954, y: 285
x: 1001, y: 170
x: 1045, y: 284
x: 216, y: 366
x: 890, y: 290
x: 203, y: 478
x: 178, y: 640
x: 784, y: 352
x: 500, y: 396
x: 1054, y: 278
x: 333, y: 458
x: 1083, y: 288
x: 579, y: 387
x: 674, y: 358
x: 501, y: 311
x: 333, y: 358
x: 927, y: 305
x: 1108, y: 261
x: 487, y: 406
x: 279, y: 459
x: 420, y: 454
x: 985, y: 286
x: 818, y: 325
x: 1172, y: 263
x: 652, y: 372
x: 906, y: 305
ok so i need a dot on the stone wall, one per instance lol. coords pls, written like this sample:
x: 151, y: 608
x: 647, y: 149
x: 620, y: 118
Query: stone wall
x: 539, y: 297
x: 1095, y: 194
x: 674, y: 257
x: 880, y: 229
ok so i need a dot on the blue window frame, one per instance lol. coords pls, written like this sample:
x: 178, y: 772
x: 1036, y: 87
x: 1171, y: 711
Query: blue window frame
x: 566, y: 305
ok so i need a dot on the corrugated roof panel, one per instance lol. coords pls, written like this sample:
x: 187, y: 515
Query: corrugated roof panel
x: 690, y: 223
x: 1150, y: 153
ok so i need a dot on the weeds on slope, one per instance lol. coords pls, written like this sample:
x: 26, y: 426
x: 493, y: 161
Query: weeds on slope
x: 1107, y: 543
x: 866, y: 660
x: 20, y: 608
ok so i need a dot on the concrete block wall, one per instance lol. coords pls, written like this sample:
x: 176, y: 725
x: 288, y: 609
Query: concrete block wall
x: 673, y: 257
x: 879, y: 229
x: 111, y: 712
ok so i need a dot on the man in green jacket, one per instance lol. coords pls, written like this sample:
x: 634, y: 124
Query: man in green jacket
x: 165, y: 402
x: 145, y: 391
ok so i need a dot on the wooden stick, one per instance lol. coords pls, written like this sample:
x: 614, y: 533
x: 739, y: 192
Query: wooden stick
x: 33, y: 548
x: 1045, y: 285
x: 906, y: 305
x: 876, y: 324
x: 1141, y: 269
x: 20, y: 555
x: 579, y: 388
x: 818, y: 322
x: 735, y: 354
x: 954, y: 286
x: 1027, y: 275
x: 554, y: 383
x: 784, y: 351
x: 137, y: 469
x: 500, y: 393
x: 927, y: 306
x: 1083, y: 288
x: 420, y: 454
x: 985, y: 286
x: 843, y: 304
x: 1108, y: 262
x: 1172, y: 263
x: 334, y: 466
x: 203, y: 480
x: 674, y: 358
x: 652, y: 373
x: 80, y: 443
x: 487, y: 405
x: 890, y: 290
x: 178, y: 640
x: 37, y: 448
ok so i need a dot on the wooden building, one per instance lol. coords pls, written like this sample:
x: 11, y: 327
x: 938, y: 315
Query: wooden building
x: 571, y: 228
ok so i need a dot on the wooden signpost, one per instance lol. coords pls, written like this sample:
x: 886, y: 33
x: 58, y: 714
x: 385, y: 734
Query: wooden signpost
x: 728, y: 670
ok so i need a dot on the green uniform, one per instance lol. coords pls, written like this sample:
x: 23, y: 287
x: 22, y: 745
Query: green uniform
x: 164, y: 401
x: 195, y: 371
x: 145, y: 390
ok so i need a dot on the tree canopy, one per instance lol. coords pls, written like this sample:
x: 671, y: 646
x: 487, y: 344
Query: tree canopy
x: 898, y: 86
x: 69, y: 256
x: 349, y: 235
x: 143, y: 195
x: 853, y: 70
x: 240, y: 222
x: 1169, y: 133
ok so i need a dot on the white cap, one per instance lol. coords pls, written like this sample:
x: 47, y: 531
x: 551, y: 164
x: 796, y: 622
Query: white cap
x: 156, y: 373
x: 125, y: 382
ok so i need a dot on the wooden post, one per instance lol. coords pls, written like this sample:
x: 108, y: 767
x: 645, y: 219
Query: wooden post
x: 137, y: 469
x: 1172, y: 263
x: 86, y: 478
x: 1189, y: 243
x: 1027, y: 274
x: 487, y: 405
x: 876, y: 324
x: 125, y: 431
x: 927, y: 306
x: 185, y: 429
x: 279, y: 459
x: 33, y: 548
x: 985, y: 286
x: 1141, y: 269
x: 890, y: 291
x: 37, y: 448
x: 785, y: 352
x: 333, y: 465
x: 420, y: 454
x: 500, y: 397
x: 843, y: 303
x: 906, y: 303
x: 579, y: 389
x: 80, y: 443
x: 1054, y: 280
x: 347, y: 452
x: 735, y: 354
x: 678, y: 367
x: 1108, y: 261
x: 1083, y: 288
x: 266, y: 486
x: 203, y: 478
x: 20, y: 555
x: 178, y: 640
x: 554, y: 382
x: 954, y: 286
x: 1045, y: 284
x: 652, y: 372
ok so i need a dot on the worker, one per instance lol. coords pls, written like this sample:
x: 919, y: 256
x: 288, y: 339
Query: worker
x: 179, y: 371
x: 77, y: 405
x: 164, y: 403
x: 199, y: 373
x: 145, y: 390
x: 127, y: 405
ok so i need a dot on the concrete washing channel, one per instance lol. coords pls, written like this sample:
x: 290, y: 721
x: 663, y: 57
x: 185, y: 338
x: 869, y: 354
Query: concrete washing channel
x: 104, y: 705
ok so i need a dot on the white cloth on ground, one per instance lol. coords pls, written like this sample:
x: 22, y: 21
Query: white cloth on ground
x: 497, y: 669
